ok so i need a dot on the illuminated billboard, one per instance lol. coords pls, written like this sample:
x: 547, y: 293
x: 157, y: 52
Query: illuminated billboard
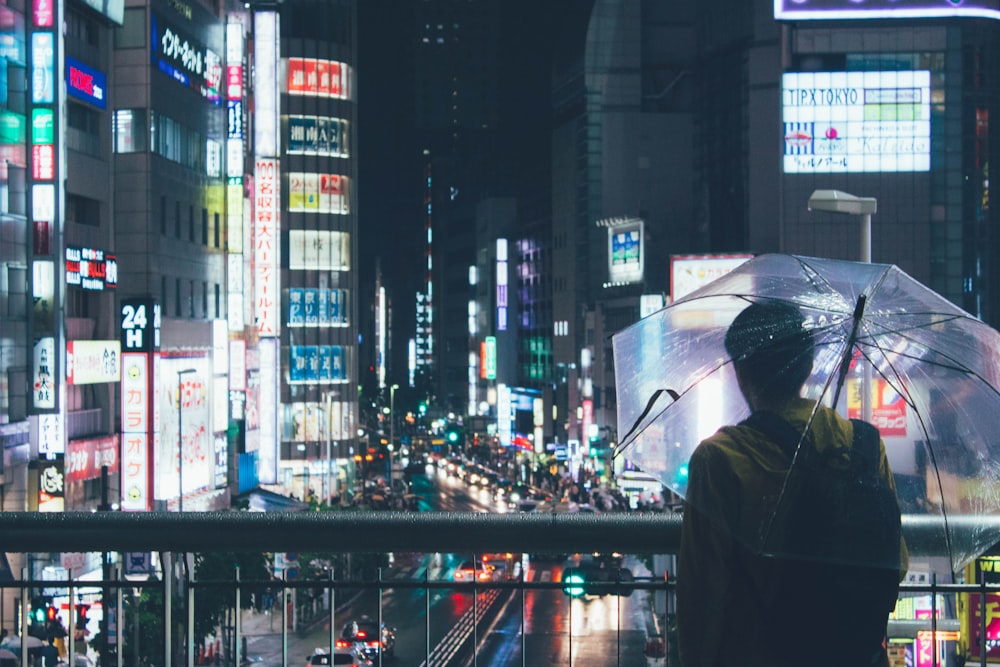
x: 841, y: 122
x: 804, y: 10
x: 185, y: 60
x: 626, y: 254
x: 689, y: 272
x: 318, y: 193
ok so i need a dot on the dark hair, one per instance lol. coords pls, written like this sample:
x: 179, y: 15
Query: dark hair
x: 770, y: 346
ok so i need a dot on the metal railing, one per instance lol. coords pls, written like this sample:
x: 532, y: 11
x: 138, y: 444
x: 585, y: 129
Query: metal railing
x: 383, y: 532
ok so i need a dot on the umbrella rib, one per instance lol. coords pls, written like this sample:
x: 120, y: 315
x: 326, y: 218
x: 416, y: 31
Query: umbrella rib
x: 905, y: 394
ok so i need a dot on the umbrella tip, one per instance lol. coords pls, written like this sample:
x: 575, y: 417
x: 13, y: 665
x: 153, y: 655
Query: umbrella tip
x: 859, y: 307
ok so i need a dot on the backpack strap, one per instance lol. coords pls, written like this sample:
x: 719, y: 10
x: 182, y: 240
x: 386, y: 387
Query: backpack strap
x: 777, y: 429
x: 864, y: 446
x: 865, y: 449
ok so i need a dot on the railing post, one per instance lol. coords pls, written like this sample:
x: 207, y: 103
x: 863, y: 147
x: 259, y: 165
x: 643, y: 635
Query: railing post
x: 381, y: 643
x: 167, y: 562
x: 71, y: 635
x: 524, y: 644
x: 333, y: 609
x: 24, y: 617
x: 982, y: 619
x: 119, y: 615
x: 427, y: 612
x: 284, y: 618
x: 189, y: 603
x: 934, y: 625
x: 237, y: 625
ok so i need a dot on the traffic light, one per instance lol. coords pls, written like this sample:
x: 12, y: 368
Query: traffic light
x: 39, y: 613
x: 82, y: 610
x: 574, y: 582
x: 453, y: 434
x: 580, y: 581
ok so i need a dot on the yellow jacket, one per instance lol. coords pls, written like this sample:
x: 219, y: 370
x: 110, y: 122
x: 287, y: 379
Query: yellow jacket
x: 719, y: 580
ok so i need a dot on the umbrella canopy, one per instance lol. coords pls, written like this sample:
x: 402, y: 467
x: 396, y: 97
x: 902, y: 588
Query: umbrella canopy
x: 7, y: 655
x: 887, y: 349
x: 14, y: 643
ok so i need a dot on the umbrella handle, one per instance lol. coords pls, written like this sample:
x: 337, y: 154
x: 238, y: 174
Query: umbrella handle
x: 845, y: 364
x: 638, y: 420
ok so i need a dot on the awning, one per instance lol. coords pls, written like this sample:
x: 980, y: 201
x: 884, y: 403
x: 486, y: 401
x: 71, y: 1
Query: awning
x: 262, y: 500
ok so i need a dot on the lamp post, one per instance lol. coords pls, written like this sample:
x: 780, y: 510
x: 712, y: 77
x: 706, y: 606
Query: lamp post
x: 835, y: 201
x: 180, y: 436
x: 327, y: 479
x: 392, y: 426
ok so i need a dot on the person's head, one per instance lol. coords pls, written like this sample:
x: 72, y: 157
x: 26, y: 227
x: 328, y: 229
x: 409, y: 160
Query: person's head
x: 771, y: 350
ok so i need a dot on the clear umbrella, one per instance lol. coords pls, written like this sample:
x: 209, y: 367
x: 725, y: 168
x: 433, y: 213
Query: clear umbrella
x: 887, y: 349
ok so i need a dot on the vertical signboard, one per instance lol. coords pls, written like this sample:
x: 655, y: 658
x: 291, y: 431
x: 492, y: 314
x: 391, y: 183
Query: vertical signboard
x: 234, y: 172
x: 267, y: 410
x: 266, y: 82
x: 265, y: 246
x: 45, y: 326
x: 140, y: 341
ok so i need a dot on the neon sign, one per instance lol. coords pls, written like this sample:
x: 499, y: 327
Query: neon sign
x: 86, y: 83
x: 803, y: 10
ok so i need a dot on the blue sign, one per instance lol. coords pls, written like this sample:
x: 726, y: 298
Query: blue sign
x: 86, y: 83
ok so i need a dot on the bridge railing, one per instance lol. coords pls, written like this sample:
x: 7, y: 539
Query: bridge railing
x: 179, y: 597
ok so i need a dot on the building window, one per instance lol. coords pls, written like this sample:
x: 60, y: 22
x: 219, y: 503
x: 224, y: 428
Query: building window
x: 218, y: 301
x: 131, y: 34
x: 83, y: 210
x: 83, y: 129
x: 177, y: 297
x: 217, y: 230
x: 204, y: 226
x: 204, y: 300
x: 130, y: 130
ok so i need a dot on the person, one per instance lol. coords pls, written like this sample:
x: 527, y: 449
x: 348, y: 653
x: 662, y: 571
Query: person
x: 723, y: 582
x: 50, y: 654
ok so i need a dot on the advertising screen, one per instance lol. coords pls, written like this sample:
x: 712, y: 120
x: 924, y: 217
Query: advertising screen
x: 803, y: 10
x: 840, y: 122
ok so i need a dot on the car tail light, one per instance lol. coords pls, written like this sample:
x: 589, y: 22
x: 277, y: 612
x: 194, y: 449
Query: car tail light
x: 361, y: 634
x: 342, y: 643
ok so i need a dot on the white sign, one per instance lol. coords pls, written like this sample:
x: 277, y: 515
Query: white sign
x: 689, y: 272
x: 839, y: 122
x: 266, y: 231
x: 93, y: 361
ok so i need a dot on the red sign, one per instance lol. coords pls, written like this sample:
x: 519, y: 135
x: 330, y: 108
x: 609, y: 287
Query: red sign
x: 43, y: 12
x: 84, y: 458
x: 888, y: 407
x: 43, y: 162
x: 297, y: 84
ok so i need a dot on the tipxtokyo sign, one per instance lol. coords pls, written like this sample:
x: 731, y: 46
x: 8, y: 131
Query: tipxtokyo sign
x: 801, y: 10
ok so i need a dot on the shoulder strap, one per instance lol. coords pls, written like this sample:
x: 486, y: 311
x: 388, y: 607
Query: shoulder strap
x: 776, y: 428
x: 865, y: 447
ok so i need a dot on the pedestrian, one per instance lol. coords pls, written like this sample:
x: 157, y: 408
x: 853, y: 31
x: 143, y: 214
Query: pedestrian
x: 50, y: 654
x: 726, y: 598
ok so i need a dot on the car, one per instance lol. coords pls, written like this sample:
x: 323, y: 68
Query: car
x: 366, y: 631
x: 474, y: 570
x: 348, y: 656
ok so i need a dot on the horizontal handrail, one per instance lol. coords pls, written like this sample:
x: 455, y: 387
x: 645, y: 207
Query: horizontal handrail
x: 382, y: 532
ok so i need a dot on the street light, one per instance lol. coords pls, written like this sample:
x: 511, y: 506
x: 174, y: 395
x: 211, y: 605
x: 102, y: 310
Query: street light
x: 392, y: 425
x: 835, y: 201
x: 180, y: 439
x: 327, y: 479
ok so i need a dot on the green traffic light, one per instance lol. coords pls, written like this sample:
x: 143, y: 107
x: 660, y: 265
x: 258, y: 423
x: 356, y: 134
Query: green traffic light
x: 452, y: 436
x: 573, y: 585
x: 39, y: 615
